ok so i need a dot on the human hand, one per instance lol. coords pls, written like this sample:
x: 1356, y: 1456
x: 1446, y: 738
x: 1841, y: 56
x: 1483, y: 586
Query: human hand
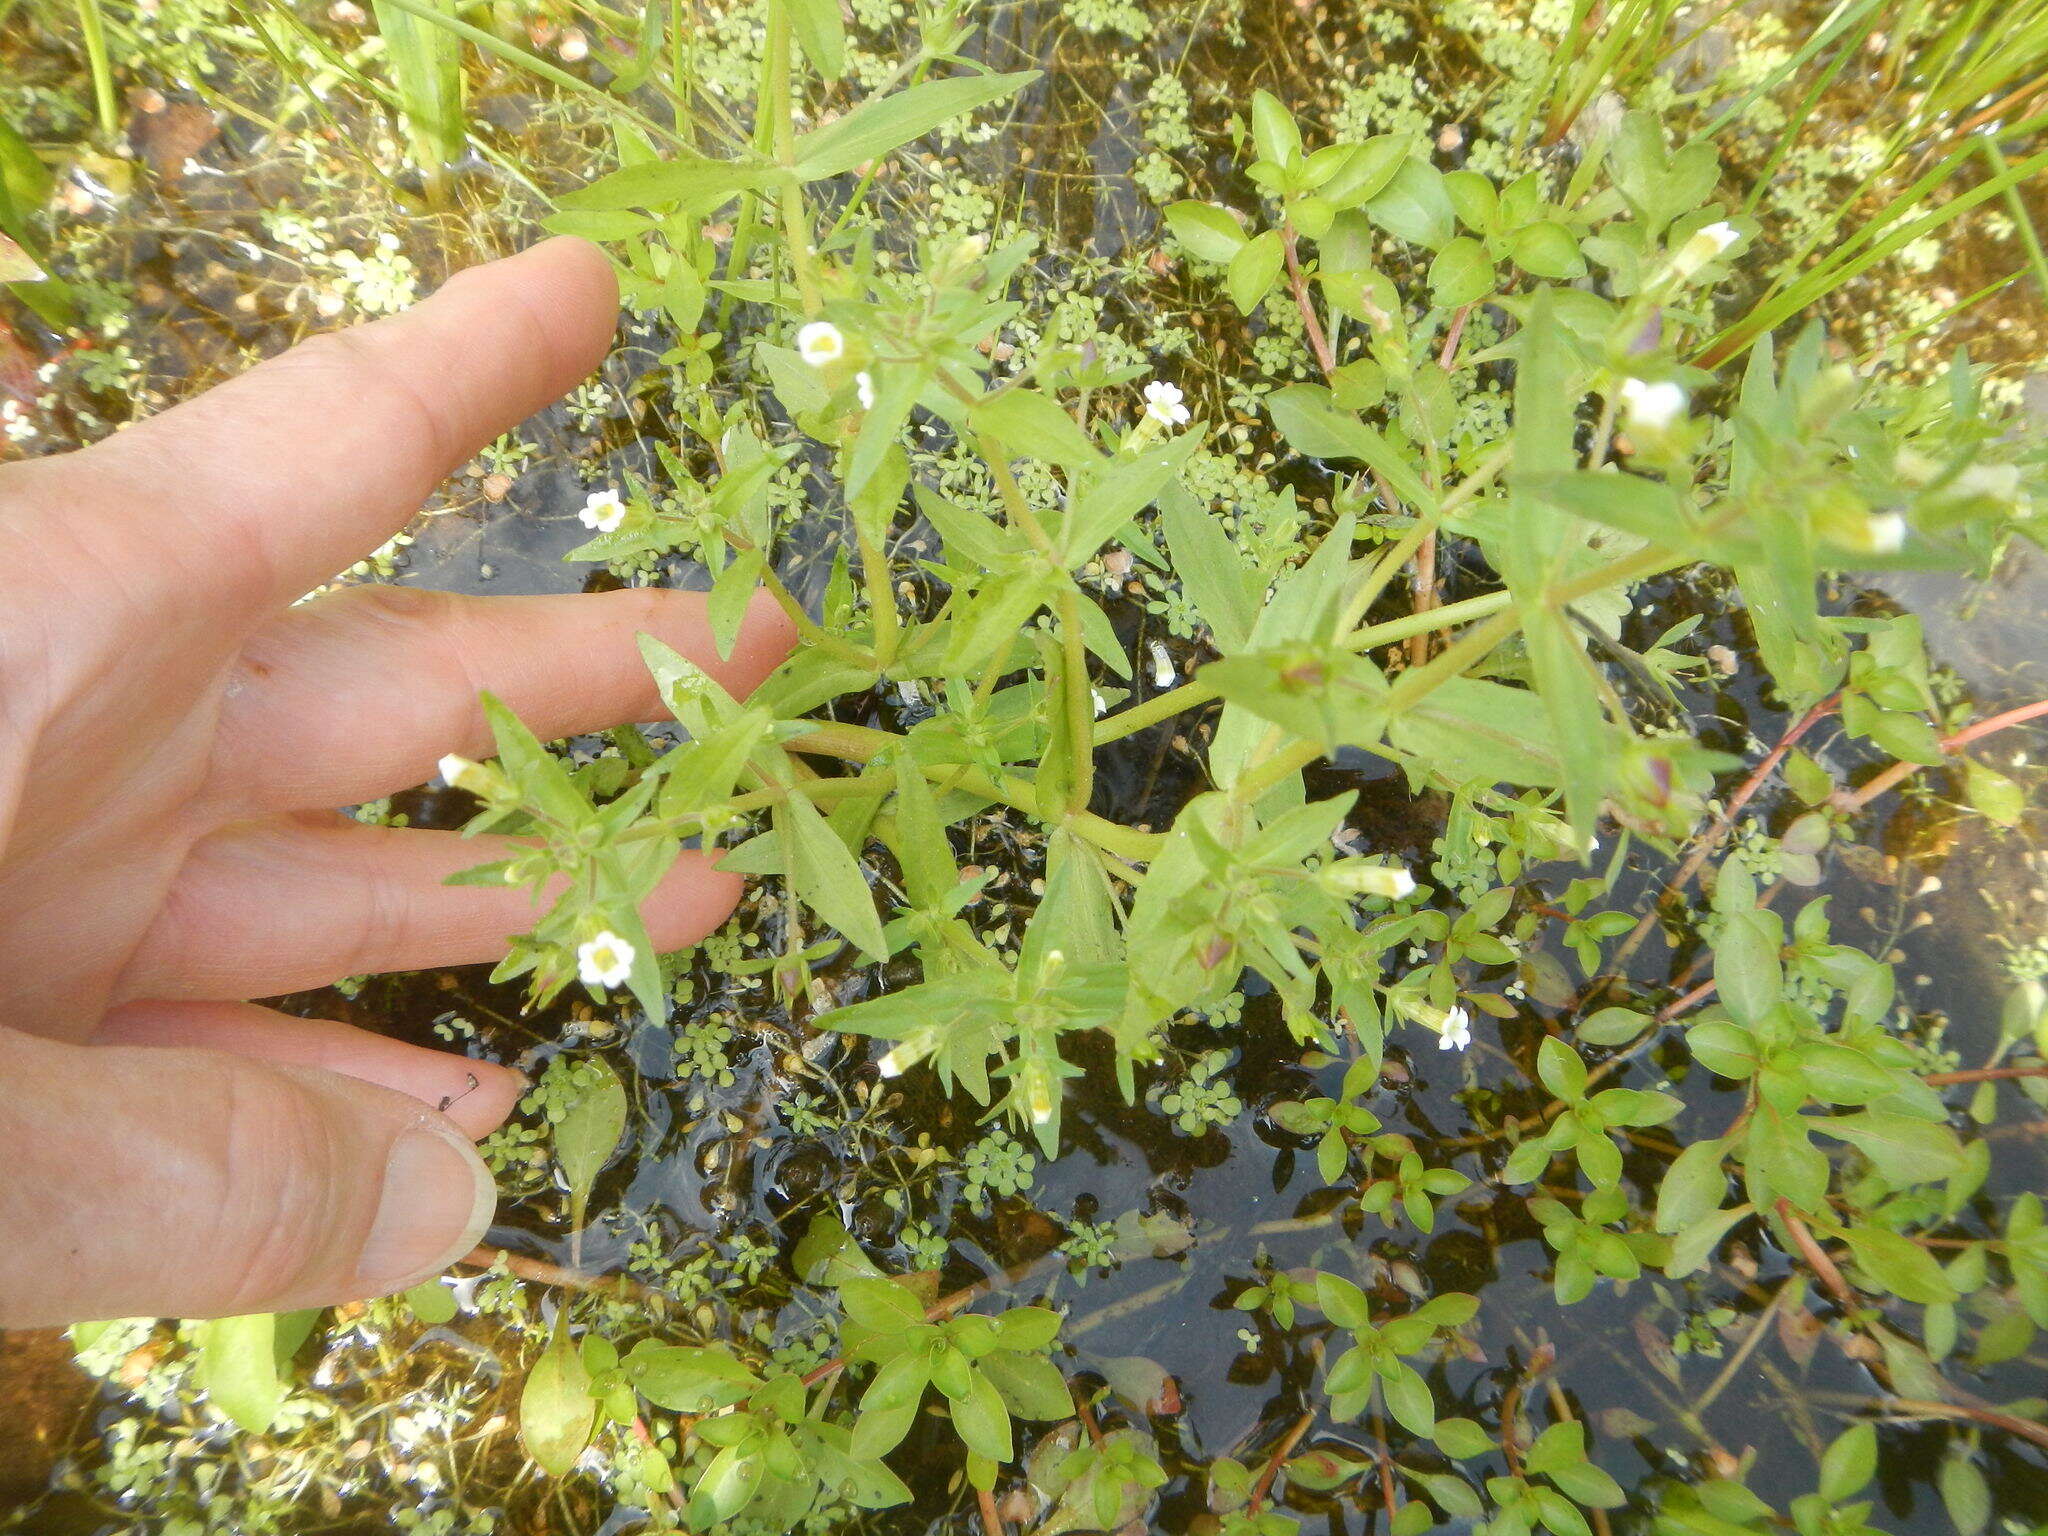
x: 173, y: 738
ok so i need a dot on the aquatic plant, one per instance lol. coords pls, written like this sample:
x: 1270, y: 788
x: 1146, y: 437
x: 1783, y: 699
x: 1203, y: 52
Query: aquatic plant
x: 1488, y: 419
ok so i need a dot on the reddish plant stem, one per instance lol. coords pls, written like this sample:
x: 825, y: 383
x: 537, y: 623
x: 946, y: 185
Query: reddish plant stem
x: 1456, y: 334
x: 1088, y: 1420
x: 991, y: 1521
x: 541, y: 1272
x: 1898, y: 773
x: 1816, y: 1257
x: 1709, y: 840
x: 1317, y: 341
x: 2026, y: 1429
x: 1281, y: 1452
x: 1982, y: 1075
x: 1510, y: 1447
x: 1389, y: 1487
x: 640, y: 1430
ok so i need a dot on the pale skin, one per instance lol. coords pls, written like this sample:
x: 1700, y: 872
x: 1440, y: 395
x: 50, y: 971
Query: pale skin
x: 175, y: 736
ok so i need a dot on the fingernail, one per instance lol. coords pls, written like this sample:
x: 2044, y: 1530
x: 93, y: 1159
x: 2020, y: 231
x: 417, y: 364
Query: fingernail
x: 438, y: 1199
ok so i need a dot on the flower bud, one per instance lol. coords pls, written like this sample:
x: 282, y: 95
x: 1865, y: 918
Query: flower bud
x: 485, y: 782
x: 1708, y: 244
x: 1364, y: 877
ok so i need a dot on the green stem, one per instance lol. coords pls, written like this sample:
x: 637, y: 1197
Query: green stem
x: 94, y: 27
x: 860, y: 744
x: 1194, y: 693
x: 874, y: 571
x: 1080, y: 703
x: 778, y: 108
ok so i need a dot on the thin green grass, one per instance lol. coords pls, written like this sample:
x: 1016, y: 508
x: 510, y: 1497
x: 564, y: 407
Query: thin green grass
x: 93, y: 31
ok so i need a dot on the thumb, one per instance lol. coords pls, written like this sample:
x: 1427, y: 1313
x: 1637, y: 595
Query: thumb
x: 168, y: 1182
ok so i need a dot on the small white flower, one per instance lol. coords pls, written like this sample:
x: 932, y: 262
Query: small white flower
x: 1162, y: 666
x: 605, y: 961
x: 1706, y: 245
x: 1721, y: 233
x: 864, y: 387
x: 1885, y: 533
x: 1163, y: 403
x: 1457, y: 1031
x: 1101, y: 704
x: 1652, y: 407
x: 820, y: 343
x: 603, y: 510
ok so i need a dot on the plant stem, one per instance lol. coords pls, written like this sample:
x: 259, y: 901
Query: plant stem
x: 1281, y: 1452
x: 1194, y: 692
x: 1318, y: 342
x: 874, y: 571
x: 1816, y: 1257
x: 860, y: 744
x: 1898, y: 773
x: 93, y: 28
x: 1709, y: 840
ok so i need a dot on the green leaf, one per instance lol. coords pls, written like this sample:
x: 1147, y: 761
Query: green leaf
x: 1992, y: 794
x: 1691, y: 1246
x: 237, y: 1369
x: 1461, y: 274
x: 1778, y: 1151
x: 538, y: 774
x: 982, y: 1421
x: 1028, y: 422
x: 1254, y: 270
x: 587, y: 1135
x: 1693, y: 1186
x: 1964, y: 1492
x: 1747, y: 972
x: 727, y: 1486
x: 1462, y: 1439
x: 1563, y: 1073
x: 689, y: 181
x: 431, y: 1302
x: 1848, y: 1463
x: 1209, y: 233
x: 1224, y: 589
x: 826, y: 877
x: 1897, y: 1264
x: 1531, y: 555
x: 1415, y: 206
x: 1109, y: 497
x: 1031, y: 1385
x: 688, y: 1378
x: 1274, y: 133
x: 1312, y: 425
x: 1471, y: 729
x: 884, y: 123
x: 821, y: 33
x: 1547, y: 249
x: 1365, y: 174
x: 556, y: 1410
x: 1561, y: 1445
x: 1905, y: 1150
x: 1409, y: 1401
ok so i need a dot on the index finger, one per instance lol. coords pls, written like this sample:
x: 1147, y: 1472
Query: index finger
x: 294, y: 470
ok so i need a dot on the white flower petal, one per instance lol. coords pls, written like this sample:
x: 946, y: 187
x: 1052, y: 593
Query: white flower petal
x: 820, y: 343
x: 605, y: 961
